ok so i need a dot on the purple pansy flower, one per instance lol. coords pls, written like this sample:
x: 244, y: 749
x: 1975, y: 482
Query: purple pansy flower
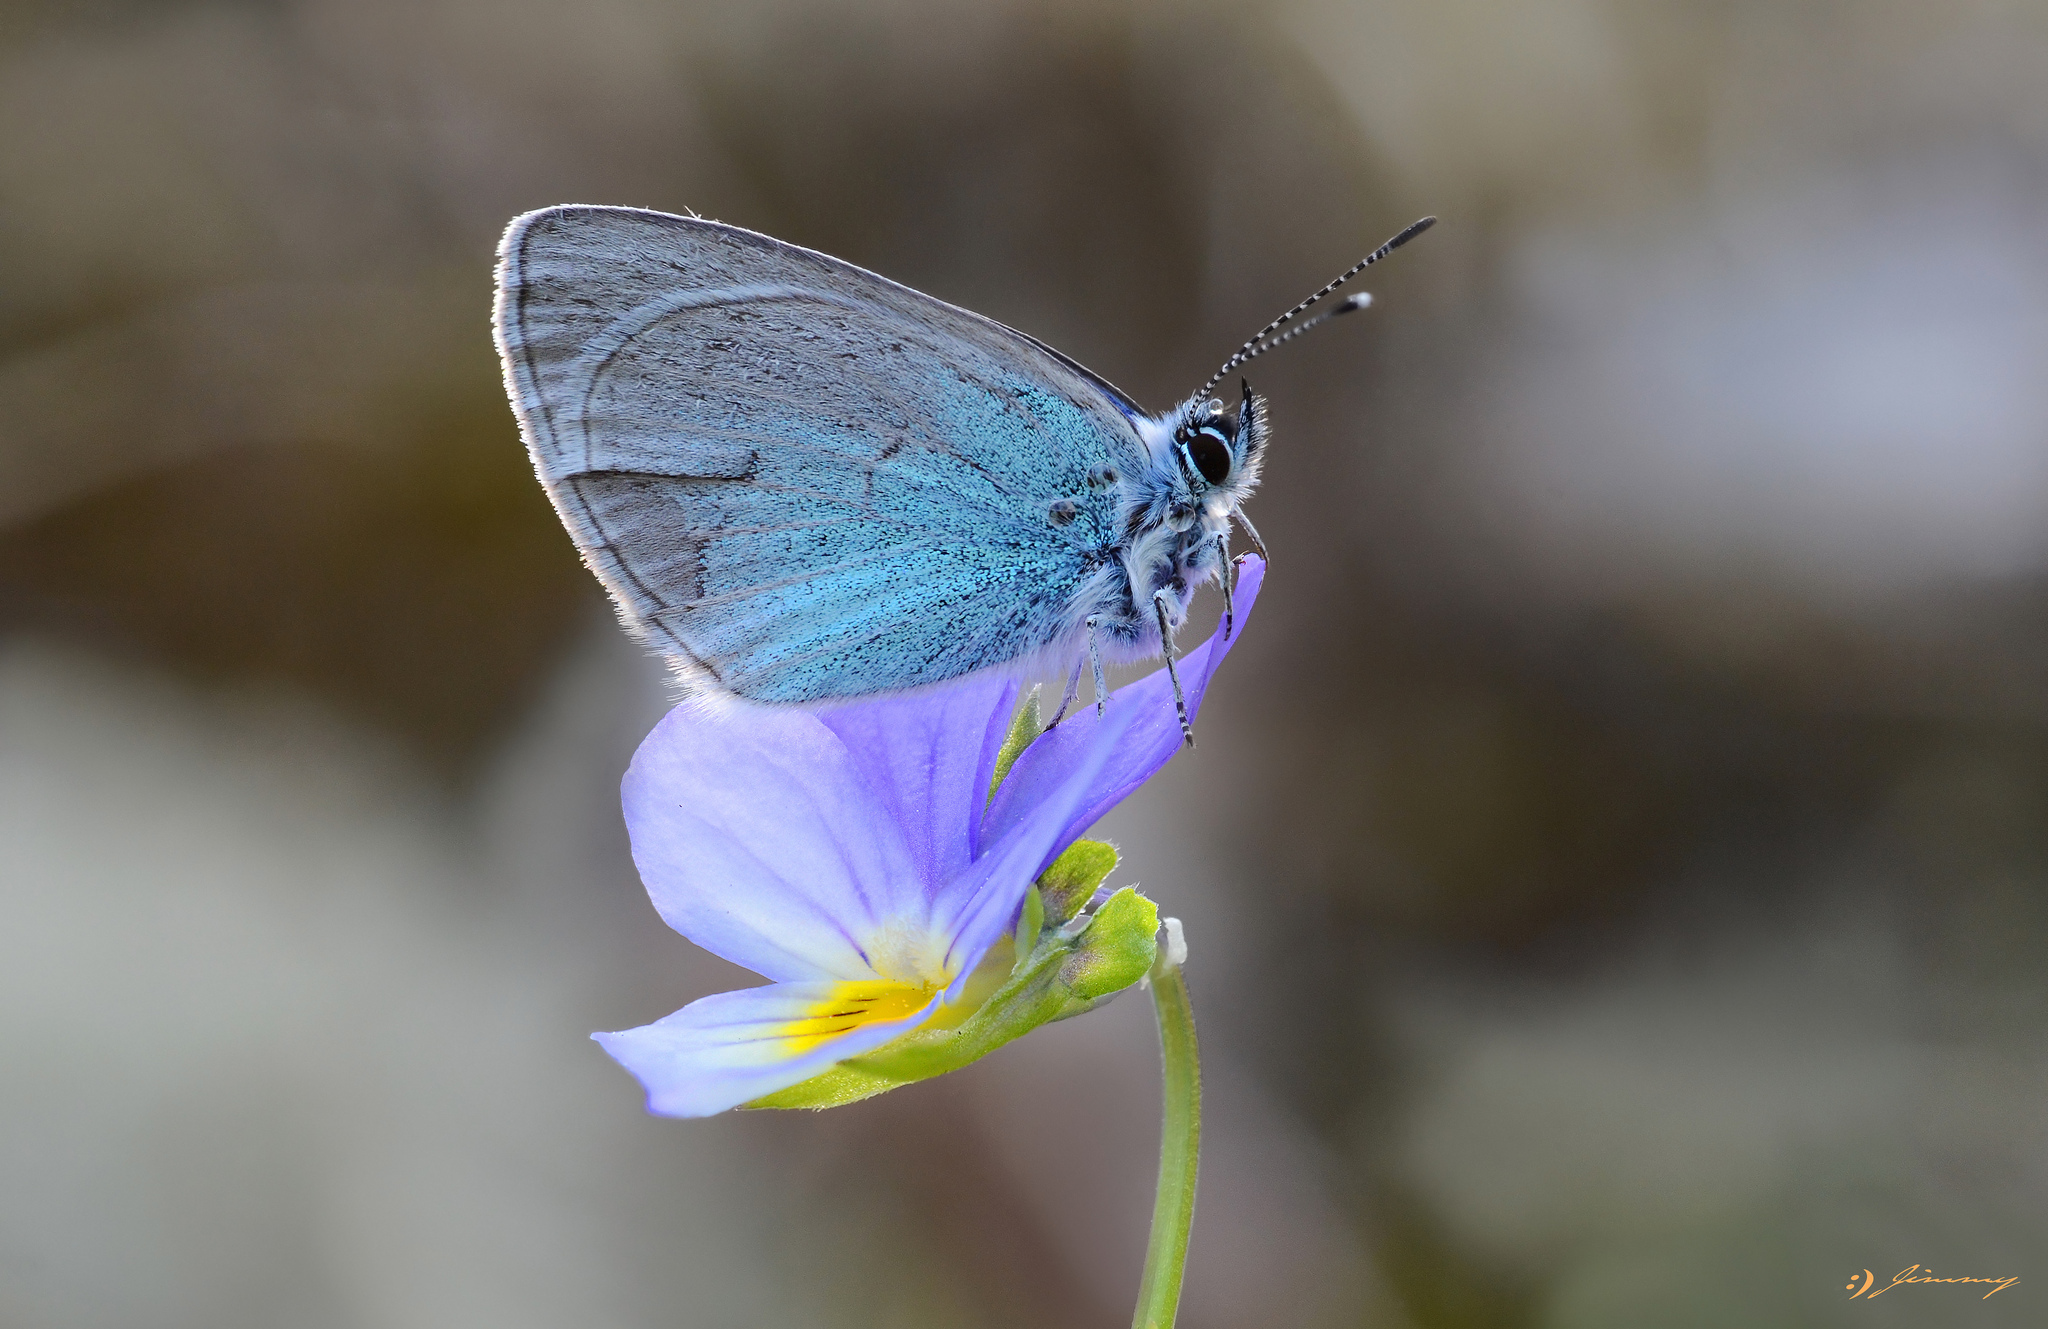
x: 852, y: 855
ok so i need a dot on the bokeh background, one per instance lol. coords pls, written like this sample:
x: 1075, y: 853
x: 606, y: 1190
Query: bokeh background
x: 1616, y: 864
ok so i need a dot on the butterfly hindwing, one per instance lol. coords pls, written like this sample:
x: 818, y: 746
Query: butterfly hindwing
x: 796, y: 477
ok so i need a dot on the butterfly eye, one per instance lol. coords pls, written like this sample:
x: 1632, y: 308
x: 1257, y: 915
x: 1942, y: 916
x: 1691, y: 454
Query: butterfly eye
x: 1211, y: 456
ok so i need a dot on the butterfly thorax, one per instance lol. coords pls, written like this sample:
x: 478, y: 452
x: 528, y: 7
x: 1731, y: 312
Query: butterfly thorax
x: 1201, y: 463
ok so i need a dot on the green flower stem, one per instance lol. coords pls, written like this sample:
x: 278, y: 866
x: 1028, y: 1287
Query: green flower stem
x: 1173, y: 1209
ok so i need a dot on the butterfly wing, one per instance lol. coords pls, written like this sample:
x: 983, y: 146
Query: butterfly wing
x: 800, y: 480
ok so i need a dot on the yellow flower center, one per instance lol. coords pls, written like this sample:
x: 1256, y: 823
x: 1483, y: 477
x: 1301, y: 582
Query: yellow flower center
x: 851, y: 1005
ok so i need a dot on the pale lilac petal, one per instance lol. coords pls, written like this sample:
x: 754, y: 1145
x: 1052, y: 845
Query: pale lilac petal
x: 758, y: 840
x: 1152, y: 739
x: 928, y: 759
x: 724, y: 1050
x: 982, y: 904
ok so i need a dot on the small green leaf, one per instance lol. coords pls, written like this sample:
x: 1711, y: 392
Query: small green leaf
x: 1025, y: 726
x: 1072, y: 878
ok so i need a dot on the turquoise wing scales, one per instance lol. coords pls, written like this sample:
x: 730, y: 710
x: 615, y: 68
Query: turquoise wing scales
x: 800, y: 480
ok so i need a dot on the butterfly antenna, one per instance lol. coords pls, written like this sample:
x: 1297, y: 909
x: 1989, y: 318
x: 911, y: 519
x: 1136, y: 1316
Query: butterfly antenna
x: 1258, y: 345
x: 1359, y: 301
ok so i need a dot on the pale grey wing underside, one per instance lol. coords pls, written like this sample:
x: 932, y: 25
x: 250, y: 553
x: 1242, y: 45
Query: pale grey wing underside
x: 798, y: 479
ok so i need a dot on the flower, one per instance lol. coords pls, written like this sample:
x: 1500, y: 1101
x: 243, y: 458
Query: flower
x: 854, y: 856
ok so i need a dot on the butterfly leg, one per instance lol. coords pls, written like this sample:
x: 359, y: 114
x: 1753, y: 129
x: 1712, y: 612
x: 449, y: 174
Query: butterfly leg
x: 1180, y: 702
x: 1253, y: 532
x: 1073, y: 691
x: 1095, y: 659
x: 1226, y: 577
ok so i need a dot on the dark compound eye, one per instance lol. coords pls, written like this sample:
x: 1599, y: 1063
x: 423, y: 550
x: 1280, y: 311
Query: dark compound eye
x: 1211, y: 455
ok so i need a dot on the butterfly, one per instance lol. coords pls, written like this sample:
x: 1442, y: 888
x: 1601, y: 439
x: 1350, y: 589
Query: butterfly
x: 801, y: 481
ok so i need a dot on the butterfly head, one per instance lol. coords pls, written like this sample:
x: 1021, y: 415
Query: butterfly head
x: 1218, y: 454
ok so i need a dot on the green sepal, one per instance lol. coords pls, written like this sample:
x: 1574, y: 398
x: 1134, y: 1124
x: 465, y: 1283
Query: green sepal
x: 1025, y: 726
x: 1122, y: 942
x: 1069, y: 970
x: 1030, y: 922
x: 1072, y: 878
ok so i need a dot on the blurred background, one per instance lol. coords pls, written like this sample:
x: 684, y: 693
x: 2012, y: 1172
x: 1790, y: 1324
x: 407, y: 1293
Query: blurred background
x: 1616, y: 864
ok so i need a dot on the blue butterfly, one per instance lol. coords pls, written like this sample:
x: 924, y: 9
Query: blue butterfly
x: 801, y: 481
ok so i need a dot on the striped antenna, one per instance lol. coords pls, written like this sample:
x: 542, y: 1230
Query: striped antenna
x: 1361, y: 300
x: 1258, y: 345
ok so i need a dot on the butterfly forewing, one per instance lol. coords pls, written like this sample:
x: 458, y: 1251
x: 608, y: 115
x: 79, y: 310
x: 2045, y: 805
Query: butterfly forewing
x: 797, y: 478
